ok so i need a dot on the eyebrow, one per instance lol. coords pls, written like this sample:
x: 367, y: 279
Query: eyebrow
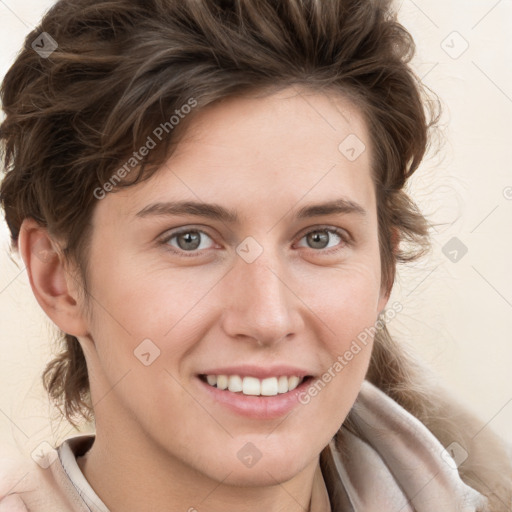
x: 217, y: 212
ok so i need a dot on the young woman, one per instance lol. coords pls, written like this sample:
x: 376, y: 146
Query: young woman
x: 209, y: 200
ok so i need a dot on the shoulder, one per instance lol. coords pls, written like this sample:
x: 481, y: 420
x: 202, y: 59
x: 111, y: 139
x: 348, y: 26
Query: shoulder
x: 15, y: 478
x: 35, y: 482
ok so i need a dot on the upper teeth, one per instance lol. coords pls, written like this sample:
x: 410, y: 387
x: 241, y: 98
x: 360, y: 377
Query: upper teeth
x: 253, y: 386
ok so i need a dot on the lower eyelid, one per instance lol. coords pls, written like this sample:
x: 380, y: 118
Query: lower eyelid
x: 345, y: 240
x: 169, y: 237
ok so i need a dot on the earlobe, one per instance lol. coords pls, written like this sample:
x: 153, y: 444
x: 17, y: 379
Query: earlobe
x: 382, y: 302
x: 54, y: 288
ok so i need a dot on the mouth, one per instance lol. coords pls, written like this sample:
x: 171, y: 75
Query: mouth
x: 255, y: 391
x: 266, y: 398
x: 253, y: 386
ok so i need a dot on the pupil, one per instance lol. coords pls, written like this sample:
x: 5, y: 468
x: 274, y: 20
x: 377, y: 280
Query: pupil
x: 191, y: 237
x: 319, y: 237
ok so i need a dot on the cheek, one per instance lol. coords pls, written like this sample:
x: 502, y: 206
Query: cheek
x: 135, y: 302
x: 348, y: 310
x: 347, y: 296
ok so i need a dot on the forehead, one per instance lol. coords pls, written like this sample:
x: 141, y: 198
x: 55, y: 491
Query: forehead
x: 269, y: 125
x: 294, y: 143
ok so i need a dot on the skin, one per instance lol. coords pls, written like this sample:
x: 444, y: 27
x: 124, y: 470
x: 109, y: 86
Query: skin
x: 160, y: 438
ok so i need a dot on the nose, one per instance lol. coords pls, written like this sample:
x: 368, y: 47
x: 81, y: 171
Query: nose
x: 261, y: 305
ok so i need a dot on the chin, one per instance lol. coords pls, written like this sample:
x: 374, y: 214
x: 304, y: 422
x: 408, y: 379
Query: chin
x: 252, y: 468
x: 264, y: 475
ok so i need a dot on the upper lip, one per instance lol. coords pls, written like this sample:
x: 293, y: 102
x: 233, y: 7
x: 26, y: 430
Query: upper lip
x: 259, y: 372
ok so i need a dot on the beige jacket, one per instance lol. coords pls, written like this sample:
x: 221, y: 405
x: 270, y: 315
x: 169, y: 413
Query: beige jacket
x: 396, y: 465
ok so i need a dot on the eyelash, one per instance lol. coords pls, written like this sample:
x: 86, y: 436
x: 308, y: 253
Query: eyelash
x: 346, y: 241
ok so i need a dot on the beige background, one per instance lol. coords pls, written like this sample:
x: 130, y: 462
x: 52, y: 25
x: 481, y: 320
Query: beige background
x: 458, y: 315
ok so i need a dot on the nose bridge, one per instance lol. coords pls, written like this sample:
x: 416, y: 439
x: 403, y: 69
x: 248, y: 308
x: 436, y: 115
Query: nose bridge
x: 261, y: 305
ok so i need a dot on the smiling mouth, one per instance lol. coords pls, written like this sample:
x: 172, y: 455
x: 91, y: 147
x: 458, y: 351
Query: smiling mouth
x: 252, y: 386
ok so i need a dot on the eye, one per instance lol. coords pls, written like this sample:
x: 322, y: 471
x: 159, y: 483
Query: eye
x: 191, y: 242
x: 187, y: 240
x: 326, y: 239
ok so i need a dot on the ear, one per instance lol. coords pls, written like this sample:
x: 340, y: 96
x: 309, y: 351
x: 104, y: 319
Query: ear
x: 384, y: 296
x: 383, y: 300
x: 395, y: 239
x: 54, y: 288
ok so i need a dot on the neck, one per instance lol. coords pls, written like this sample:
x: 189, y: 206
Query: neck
x: 128, y: 472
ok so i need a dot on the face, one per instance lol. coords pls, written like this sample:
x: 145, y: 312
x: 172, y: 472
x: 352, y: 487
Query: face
x: 269, y: 279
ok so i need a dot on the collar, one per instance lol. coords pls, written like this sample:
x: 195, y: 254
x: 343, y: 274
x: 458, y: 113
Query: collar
x: 393, y: 463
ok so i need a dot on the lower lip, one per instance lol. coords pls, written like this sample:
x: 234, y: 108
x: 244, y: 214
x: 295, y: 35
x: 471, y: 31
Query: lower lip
x: 258, y: 407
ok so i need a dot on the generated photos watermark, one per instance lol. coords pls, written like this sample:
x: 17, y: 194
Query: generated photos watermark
x: 361, y: 341
x: 151, y: 142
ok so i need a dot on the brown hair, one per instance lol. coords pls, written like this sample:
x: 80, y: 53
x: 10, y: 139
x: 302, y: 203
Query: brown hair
x: 120, y: 69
